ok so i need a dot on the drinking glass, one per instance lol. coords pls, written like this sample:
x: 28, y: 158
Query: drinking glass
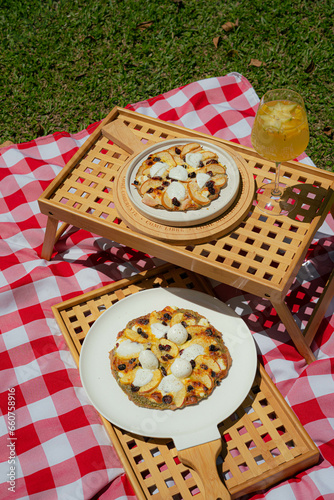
x: 280, y: 133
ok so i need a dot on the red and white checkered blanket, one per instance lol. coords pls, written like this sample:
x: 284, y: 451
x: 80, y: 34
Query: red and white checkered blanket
x: 59, y: 448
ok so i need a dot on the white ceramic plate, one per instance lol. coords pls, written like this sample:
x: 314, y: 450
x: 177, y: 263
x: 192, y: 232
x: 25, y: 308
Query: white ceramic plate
x: 192, y: 217
x: 198, y: 421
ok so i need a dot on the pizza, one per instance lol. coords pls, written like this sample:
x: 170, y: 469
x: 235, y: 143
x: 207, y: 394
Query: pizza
x: 181, y: 178
x: 169, y: 359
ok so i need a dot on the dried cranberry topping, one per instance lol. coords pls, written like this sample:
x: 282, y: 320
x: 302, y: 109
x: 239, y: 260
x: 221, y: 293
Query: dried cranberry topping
x: 165, y: 183
x: 201, y: 164
x: 134, y: 388
x: 183, y: 323
x: 156, y: 158
x: 121, y: 367
x: 190, y: 388
x: 163, y: 371
x: 132, y: 360
x: 193, y: 363
x: 209, y: 162
x: 209, y: 332
x: 167, y: 399
x: 189, y: 337
x: 177, y: 151
x: 150, y: 190
x: 167, y: 316
x: 204, y: 367
x: 213, y: 348
x: 143, y: 321
x: 192, y: 175
x: 168, y: 356
x: 144, y: 335
x: 139, y: 330
x: 213, y: 374
x: 135, y: 182
x: 165, y: 347
x: 176, y: 202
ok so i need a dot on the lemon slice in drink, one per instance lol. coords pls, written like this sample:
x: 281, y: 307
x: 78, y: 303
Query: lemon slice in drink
x: 277, y: 116
x: 283, y: 108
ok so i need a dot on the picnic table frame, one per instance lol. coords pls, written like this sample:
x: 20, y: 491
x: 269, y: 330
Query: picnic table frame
x: 260, y: 254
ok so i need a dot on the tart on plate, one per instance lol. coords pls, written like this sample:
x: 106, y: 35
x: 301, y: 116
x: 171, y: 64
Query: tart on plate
x: 169, y: 359
x: 181, y: 178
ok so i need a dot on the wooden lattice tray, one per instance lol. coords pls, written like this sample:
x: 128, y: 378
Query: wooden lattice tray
x: 263, y: 441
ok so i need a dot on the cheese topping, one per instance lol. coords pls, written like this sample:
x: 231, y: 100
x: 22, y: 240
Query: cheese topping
x: 159, y: 330
x: 142, y: 377
x: 148, y: 360
x: 158, y: 169
x: 170, y: 384
x: 202, y: 179
x: 193, y: 159
x: 176, y: 190
x: 178, y: 173
x: 177, y: 334
x: 192, y: 352
x: 181, y: 368
x: 127, y: 348
x: 203, y: 322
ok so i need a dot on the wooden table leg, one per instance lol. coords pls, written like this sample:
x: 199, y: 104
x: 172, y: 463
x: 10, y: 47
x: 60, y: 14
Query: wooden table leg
x: 51, y: 237
x: 319, y: 310
x: 294, y: 331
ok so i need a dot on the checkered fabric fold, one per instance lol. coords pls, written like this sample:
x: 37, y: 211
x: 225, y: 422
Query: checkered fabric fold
x: 60, y: 448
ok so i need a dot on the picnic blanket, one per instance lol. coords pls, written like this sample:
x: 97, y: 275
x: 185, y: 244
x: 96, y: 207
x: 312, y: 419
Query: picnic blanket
x: 52, y: 441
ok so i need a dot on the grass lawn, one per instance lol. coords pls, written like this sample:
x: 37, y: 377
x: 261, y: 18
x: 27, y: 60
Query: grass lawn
x: 65, y: 64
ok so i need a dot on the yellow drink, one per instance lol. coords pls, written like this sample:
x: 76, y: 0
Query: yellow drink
x: 280, y: 130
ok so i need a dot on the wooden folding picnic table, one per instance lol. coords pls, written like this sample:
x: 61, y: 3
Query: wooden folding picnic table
x: 245, y: 248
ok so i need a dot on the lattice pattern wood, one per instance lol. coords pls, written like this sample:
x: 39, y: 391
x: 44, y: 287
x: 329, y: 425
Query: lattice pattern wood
x: 264, y: 441
x: 263, y: 252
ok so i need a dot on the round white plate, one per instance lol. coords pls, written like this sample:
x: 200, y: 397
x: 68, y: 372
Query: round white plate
x: 186, y: 423
x: 191, y: 217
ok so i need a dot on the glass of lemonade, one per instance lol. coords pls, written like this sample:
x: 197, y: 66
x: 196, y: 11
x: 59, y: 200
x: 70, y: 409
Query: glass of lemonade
x: 280, y: 133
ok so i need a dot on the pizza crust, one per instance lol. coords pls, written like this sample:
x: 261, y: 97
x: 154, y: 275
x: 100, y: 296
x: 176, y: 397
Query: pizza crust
x: 169, y: 359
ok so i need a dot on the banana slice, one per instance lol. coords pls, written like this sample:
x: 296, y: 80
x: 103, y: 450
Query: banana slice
x: 200, y: 196
x: 165, y: 350
x: 193, y: 147
x: 156, y: 379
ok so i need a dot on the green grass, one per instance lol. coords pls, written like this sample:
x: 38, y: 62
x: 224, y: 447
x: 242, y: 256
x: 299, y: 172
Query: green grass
x: 65, y: 64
